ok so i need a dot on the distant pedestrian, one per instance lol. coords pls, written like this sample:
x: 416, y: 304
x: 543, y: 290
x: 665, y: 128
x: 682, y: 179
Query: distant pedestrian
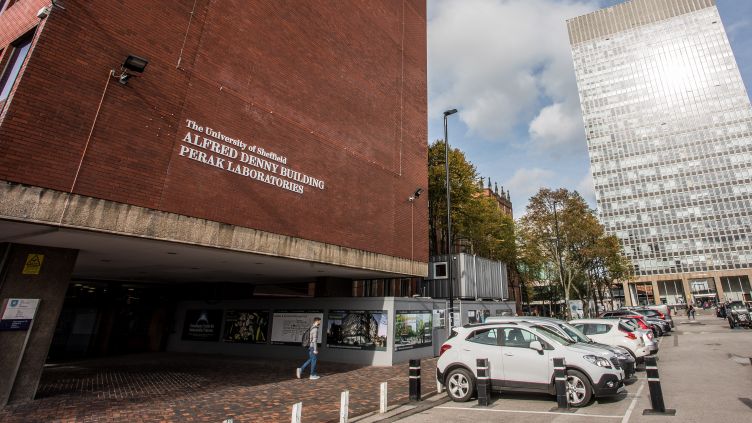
x: 691, y: 312
x: 311, y: 340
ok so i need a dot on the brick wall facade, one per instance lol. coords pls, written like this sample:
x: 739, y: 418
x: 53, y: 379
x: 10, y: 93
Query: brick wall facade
x: 337, y: 88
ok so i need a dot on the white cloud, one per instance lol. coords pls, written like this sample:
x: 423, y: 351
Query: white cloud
x: 498, y: 60
x: 558, y: 125
x: 586, y: 188
x: 526, y: 182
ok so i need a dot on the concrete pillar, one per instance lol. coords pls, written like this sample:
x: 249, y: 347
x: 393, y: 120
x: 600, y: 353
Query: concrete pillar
x: 688, y: 299
x: 719, y: 288
x: 22, y: 359
x: 627, y: 294
x: 656, y: 294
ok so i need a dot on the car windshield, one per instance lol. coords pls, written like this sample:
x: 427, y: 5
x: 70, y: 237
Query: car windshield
x: 737, y: 305
x: 550, y: 333
x: 575, y: 333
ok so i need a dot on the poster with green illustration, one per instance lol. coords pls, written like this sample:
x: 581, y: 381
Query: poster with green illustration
x: 246, y: 326
x: 413, y: 329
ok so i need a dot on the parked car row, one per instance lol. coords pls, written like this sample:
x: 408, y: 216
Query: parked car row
x: 600, y: 354
x: 737, y: 313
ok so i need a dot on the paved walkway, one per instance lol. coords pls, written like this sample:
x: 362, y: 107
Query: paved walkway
x: 171, y: 387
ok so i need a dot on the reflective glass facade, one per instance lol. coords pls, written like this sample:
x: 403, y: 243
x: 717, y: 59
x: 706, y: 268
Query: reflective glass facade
x: 669, y: 132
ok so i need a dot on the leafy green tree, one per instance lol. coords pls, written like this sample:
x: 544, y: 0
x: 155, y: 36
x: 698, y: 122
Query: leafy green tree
x: 476, y: 218
x: 462, y: 177
x: 560, y: 229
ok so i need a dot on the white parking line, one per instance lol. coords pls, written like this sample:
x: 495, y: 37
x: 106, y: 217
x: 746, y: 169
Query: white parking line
x: 632, y: 405
x: 495, y: 410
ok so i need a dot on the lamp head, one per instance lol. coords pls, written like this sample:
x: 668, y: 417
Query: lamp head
x: 450, y: 112
x: 415, y: 195
x: 135, y: 63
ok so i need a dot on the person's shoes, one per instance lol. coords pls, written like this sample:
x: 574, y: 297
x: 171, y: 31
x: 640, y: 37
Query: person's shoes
x: 314, y: 377
x: 298, y: 372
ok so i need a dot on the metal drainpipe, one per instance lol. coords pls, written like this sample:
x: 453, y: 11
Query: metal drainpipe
x: 475, y: 276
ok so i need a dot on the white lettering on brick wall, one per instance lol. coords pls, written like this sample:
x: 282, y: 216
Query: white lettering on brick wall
x: 213, y: 148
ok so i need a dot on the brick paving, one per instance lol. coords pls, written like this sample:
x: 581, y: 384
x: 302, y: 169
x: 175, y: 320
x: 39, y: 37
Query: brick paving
x: 172, y: 387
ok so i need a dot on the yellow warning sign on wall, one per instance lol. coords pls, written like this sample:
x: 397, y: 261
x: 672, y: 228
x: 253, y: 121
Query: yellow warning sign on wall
x: 33, y: 264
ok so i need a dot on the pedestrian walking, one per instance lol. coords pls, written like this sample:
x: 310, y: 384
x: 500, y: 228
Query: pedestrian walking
x: 311, y: 341
x: 690, y: 312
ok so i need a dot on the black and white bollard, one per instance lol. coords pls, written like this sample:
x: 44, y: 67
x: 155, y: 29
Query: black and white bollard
x: 656, y: 393
x: 383, y: 401
x: 483, y: 381
x: 560, y: 381
x: 344, y: 407
x: 297, y: 411
x: 414, y: 380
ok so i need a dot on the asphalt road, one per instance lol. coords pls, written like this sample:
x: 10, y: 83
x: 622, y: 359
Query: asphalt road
x: 705, y: 374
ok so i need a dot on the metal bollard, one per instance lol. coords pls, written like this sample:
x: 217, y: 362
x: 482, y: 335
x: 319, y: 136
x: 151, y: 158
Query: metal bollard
x: 344, y: 407
x: 383, y: 400
x: 483, y: 381
x: 414, y: 380
x: 656, y: 393
x: 560, y: 379
x: 297, y: 411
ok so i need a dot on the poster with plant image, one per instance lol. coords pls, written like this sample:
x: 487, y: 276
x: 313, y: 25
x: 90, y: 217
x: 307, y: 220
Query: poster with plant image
x: 246, y: 326
x: 357, y: 329
x: 412, y: 329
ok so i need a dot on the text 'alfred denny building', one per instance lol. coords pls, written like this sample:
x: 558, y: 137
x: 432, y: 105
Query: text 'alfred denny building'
x: 197, y: 176
x: 669, y: 131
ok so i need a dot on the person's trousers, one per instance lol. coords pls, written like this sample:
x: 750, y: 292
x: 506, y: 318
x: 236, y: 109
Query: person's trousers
x: 312, y: 359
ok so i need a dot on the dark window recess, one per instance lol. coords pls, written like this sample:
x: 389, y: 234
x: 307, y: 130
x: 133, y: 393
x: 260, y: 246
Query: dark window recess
x: 13, y: 66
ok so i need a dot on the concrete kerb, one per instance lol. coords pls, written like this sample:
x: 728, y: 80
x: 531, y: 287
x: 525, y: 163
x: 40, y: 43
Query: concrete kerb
x: 400, y: 411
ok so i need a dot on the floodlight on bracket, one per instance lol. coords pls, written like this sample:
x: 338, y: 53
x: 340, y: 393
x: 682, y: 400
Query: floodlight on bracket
x: 132, y: 64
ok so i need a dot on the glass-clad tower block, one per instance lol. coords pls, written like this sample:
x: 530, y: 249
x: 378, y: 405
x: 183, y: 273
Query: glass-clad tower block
x: 669, y: 132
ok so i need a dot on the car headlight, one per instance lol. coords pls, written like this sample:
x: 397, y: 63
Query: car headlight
x: 598, y: 361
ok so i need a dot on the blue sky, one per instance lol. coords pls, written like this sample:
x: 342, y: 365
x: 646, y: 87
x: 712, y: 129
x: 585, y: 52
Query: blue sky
x: 506, y: 65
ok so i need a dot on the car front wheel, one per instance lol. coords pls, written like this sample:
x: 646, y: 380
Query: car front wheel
x: 579, y: 391
x: 460, y: 385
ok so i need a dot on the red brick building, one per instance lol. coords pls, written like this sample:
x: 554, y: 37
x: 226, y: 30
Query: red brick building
x: 274, y: 144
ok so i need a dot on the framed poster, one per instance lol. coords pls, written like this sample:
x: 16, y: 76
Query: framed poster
x: 439, y: 318
x: 357, y: 329
x: 202, y: 325
x: 246, y: 326
x: 412, y: 329
x: 288, y: 326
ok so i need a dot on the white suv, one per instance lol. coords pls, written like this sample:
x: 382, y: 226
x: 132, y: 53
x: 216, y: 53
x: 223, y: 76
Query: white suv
x: 520, y: 357
x: 615, y: 332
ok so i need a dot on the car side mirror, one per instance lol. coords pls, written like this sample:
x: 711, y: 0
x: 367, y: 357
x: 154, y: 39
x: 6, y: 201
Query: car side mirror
x: 536, y: 345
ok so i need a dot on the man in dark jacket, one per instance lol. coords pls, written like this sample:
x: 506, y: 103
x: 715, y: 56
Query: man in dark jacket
x: 313, y: 350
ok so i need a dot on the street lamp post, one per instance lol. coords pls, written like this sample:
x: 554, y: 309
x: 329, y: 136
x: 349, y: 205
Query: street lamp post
x: 449, y: 219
